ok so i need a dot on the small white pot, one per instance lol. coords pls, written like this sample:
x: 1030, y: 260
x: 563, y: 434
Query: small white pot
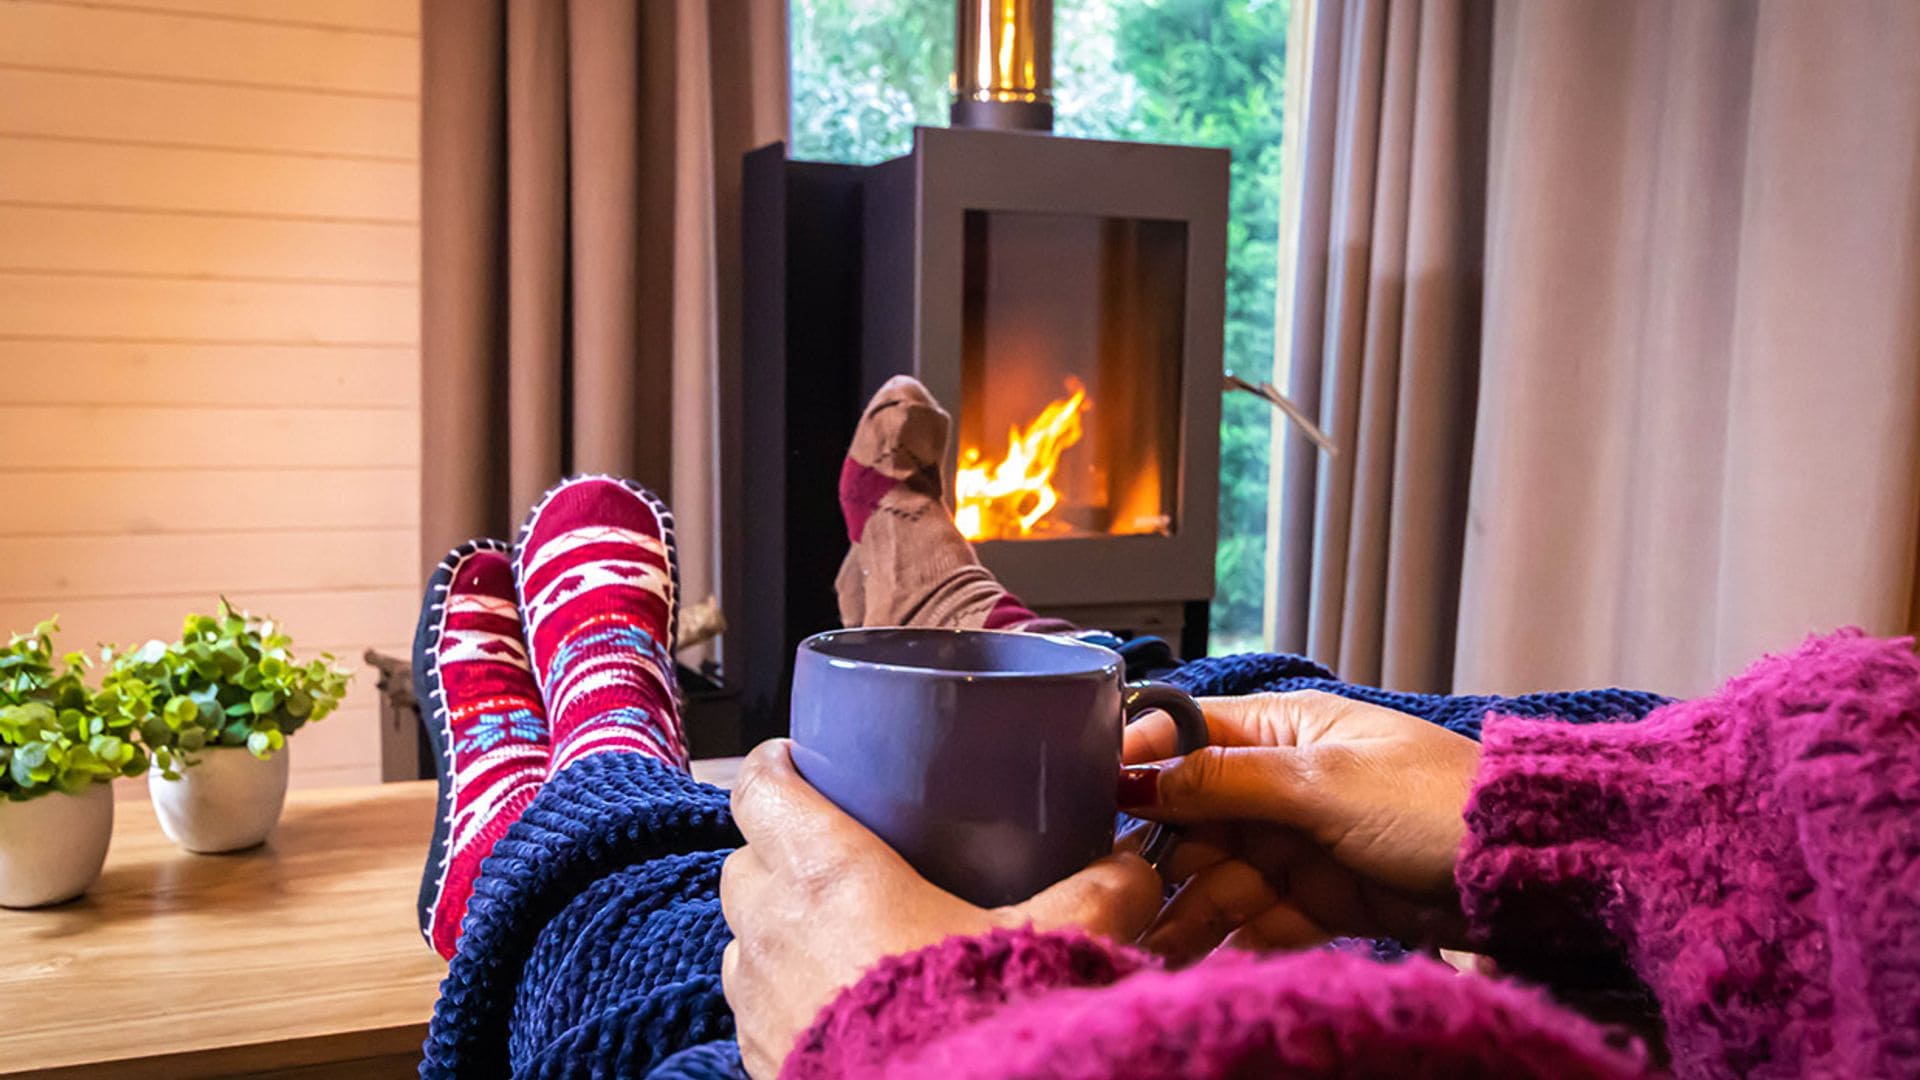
x: 229, y: 801
x: 52, y: 847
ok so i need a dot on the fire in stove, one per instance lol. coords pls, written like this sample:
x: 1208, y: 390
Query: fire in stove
x: 1010, y: 499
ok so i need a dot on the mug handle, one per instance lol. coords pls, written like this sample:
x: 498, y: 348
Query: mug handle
x: 1190, y: 727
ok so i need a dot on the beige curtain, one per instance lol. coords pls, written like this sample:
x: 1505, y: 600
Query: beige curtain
x: 1693, y: 405
x: 580, y: 247
x: 1384, y: 337
x: 1700, y: 381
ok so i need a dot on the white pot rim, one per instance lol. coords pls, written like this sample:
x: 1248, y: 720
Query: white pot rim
x: 91, y: 791
x: 201, y: 756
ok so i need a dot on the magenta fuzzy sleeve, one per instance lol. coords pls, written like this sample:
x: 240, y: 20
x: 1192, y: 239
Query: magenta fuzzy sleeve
x: 907, y: 1001
x: 1754, y: 857
x: 1020, y: 1004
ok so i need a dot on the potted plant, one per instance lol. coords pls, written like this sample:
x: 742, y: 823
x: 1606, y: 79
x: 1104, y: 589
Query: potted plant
x: 58, y: 757
x: 215, y: 709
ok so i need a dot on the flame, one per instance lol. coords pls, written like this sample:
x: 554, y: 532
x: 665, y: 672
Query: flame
x: 1008, y: 499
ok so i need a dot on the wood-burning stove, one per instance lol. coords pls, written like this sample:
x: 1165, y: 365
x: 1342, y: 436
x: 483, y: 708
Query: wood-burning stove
x: 1024, y: 269
x: 1064, y: 298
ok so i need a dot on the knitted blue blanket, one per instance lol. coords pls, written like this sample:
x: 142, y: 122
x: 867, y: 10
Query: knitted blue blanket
x: 592, y: 943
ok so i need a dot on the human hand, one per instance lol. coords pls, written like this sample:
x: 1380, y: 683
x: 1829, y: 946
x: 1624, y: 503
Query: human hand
x: 1310, y: 816
x: 814, y: 900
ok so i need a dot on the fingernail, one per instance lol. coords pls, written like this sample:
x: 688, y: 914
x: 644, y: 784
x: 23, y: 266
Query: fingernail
x: 1139, y: 786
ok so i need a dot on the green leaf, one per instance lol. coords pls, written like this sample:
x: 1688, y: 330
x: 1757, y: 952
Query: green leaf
x: 207, y: 703
x: 264, y: 702
x: 181, y: 711
x: 233, y: 659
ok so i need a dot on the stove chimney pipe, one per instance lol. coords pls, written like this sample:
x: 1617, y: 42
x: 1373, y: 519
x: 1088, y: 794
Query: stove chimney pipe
x: 1003, y: 65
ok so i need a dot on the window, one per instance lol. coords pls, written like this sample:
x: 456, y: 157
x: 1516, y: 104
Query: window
x: 1200, y: 72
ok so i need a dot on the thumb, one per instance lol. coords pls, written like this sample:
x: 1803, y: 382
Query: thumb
x: 1275, y: 784
x: 1116, y: 897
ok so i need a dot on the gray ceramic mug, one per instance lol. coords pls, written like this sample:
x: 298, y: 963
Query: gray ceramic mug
x: 987, y: 759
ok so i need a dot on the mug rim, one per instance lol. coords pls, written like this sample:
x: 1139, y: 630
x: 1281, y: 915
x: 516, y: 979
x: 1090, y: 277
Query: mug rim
x: 1102, y: 661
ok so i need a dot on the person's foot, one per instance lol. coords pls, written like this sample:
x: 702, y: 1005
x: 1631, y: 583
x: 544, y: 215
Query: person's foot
x: 598, y: 581
x: 486, y: 722
x: 909, y: 565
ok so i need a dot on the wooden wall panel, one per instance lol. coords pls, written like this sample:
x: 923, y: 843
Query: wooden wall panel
x: 209, y: 326
x: 139, y: 503
x: 43, y: 304
x: 191, y: 436
x: 206, y: 183
x: 175, y: 245
x: 52, y: 569
x: 51, y: 372
x: 72, y: 35
x: 369, y: 16
x: 93, y: 107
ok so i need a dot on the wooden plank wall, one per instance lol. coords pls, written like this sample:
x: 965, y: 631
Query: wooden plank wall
x: 209, y: 308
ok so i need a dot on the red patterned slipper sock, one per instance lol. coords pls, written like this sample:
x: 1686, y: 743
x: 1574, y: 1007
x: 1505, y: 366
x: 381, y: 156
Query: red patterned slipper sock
x: 598, y: 581
x: 909, y: 565
x: 485, y: 719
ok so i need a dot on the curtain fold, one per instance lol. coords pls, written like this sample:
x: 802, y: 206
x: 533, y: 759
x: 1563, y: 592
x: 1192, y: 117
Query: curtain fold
x: 580, y: 247
x: 1384, y: 337
x: 1700, y: 392
x: 1681, y: 426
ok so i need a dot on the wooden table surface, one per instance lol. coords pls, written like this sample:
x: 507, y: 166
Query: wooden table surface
x: 302, y: 952
x: 301, y: 957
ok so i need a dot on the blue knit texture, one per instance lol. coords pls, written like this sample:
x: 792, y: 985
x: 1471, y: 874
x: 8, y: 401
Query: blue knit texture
x: 1253, y: 673
x: 601, y: 907
x: 592, y: 943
